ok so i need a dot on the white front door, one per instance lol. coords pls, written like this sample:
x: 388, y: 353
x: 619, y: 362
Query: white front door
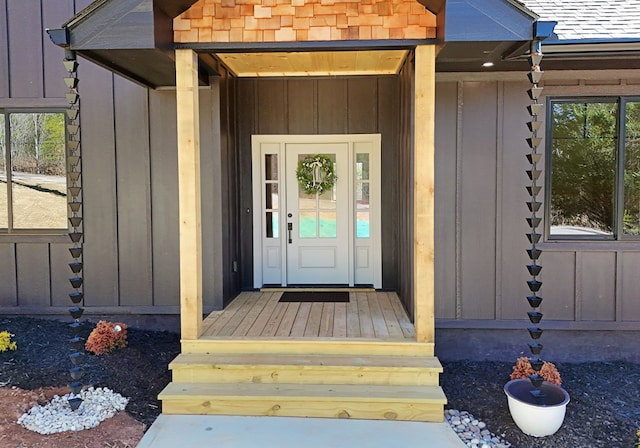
x: 317, y: 224
x: 331, y: 238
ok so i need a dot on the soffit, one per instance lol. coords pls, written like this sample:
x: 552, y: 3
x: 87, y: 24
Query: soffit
x: 316, y: 63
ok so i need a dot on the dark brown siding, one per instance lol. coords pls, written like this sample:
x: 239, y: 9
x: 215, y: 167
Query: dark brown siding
x: 129, y: 165
x: 402, y: 207
x: 320, y: 106
x: 231, y: 188
x: 480, y: 217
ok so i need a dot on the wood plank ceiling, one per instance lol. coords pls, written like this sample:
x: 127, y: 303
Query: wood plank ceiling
x: 318, y: 63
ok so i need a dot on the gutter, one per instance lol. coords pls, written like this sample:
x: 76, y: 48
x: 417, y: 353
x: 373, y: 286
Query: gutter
x: 577, y: 47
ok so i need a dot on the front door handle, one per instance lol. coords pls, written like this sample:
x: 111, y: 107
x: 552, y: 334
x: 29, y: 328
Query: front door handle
x: 289, y: 229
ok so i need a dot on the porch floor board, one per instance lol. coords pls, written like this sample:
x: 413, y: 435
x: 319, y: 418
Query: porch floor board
x: 370, y: 315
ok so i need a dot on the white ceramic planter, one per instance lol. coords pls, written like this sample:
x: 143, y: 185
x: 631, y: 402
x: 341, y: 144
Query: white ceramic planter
x: 537, y: 420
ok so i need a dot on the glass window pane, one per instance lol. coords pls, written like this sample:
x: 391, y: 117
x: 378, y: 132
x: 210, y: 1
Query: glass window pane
x: 583, y: 167
x: 632, y: 169
x: 363, y: 225
x: 362, y: 195
x: 307, y: 225
x: 272, y: 225
x: 328, y: 225
x: 307, y: 201
x: 271, y: 166
x: 38, y: 171
x: 327, y: 201
x: 272, y: 196
x: 4, y: 214
x: 362, y: 167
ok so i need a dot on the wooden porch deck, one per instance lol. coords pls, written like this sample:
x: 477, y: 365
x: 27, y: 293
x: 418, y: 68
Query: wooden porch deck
x: 368, y: 315
x: 307, y: 359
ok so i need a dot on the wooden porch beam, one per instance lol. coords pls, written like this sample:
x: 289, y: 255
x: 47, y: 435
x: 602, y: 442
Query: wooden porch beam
x: 189, y: 193
x: 423, y: 202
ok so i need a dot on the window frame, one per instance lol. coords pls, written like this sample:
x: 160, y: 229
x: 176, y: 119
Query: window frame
x: 617, y: 234
x: 10, y: 230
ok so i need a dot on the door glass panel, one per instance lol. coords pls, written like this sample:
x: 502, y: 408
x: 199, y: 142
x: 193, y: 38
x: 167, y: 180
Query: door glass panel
x: 363, y: 225
x: 307, y: 225
x: 272, y: 201
x: 306, y: 201
x: 328, y: 225
x: 272, y: 224
x: 271, y: 166
x: 362, y: 196
x: 317, y: 211
x: 362, y: 166
x: 327, y: 200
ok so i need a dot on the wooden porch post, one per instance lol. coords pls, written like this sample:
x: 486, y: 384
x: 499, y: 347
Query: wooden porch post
x: 423, y: 202
x: 189, y: 193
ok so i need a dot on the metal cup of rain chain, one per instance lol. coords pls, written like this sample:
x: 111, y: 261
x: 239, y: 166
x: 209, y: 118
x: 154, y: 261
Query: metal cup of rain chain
x: 76, y: 372
x: 76, y: 282
x: 76, y: 297
x: 74, y: 403
x: 76, y: 358
x: 76, y: 312
x: 76, y: 252
x: 76, y: 343
x: 76, y: 387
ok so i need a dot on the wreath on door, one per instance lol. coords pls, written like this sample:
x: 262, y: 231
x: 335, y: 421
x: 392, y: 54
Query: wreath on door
x: 316, y: 174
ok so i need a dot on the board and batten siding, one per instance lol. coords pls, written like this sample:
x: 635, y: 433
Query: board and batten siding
x: 480, y: 216
x: 129, y: 169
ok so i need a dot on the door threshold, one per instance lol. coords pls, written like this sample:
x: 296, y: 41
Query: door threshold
x: 316, y: 289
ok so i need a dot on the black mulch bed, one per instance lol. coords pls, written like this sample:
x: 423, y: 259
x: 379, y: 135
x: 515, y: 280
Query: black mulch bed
x: 605, y: 396
x: 138, y: 372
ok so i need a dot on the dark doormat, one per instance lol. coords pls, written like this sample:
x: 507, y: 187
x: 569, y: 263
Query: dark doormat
x: 315, y: 296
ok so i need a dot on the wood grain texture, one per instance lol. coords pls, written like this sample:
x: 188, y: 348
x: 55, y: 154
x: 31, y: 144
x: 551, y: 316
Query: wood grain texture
x: 307, y: 400
x: 375, y: 315
x: 424, y: 184
x: 189, y: 193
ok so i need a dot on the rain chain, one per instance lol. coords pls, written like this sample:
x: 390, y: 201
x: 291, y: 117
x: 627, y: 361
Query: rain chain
x: 75, y: 219
x: 534, y: 206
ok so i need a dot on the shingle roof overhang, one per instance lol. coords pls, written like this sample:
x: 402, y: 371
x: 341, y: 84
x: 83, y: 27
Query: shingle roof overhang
x: 135, y: 37
x: 472, y: 32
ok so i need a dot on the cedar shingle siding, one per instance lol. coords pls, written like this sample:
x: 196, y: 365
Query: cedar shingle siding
x: 300, y: 20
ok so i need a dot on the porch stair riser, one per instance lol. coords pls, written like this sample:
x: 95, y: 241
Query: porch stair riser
x: 319, y: 346
x: 411, y: 403
x: 306, y: 369
x: 370, y: 386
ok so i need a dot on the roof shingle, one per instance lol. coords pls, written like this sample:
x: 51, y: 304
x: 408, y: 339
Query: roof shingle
x: 590, y: 19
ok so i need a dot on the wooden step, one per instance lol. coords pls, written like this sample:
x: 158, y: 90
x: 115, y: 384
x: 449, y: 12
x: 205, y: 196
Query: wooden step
x: 306, y: 369
x: 319, y: 346
x: 415, y: 403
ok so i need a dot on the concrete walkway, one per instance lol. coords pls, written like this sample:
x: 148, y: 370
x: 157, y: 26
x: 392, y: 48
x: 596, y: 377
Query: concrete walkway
x: 190, y: 431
